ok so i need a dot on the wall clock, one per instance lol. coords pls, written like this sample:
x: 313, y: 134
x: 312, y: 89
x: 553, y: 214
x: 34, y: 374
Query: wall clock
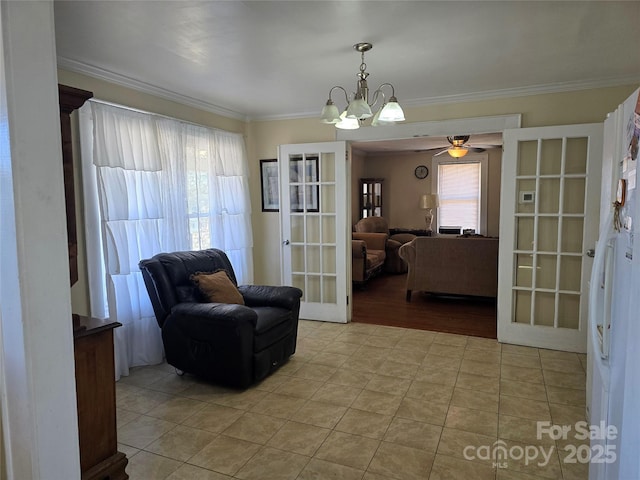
x: 421, y: 171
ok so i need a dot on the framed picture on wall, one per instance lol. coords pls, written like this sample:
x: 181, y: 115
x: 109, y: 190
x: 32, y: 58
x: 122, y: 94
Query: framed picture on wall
x: 270, y: 186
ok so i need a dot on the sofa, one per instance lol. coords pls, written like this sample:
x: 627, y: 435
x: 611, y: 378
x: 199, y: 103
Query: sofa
x: 452, y: 265
x: 227, y: 334
x: 393, y: 263
x: 367, y: 255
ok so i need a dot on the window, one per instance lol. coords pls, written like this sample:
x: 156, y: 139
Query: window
x: 462, y: 192
x: 154, y: 184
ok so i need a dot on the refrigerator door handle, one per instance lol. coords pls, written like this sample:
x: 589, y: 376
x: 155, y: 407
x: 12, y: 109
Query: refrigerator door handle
x: 600, y: 278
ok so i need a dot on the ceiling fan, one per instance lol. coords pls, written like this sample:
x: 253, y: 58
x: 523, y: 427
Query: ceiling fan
x: 459, y: 147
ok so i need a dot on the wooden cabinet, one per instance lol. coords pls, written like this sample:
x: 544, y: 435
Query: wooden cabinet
x: 371, y: 197
x: 96, y: 396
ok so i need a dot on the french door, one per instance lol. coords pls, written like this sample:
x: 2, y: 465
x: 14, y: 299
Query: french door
x: 314, y: 208
x: 548, y: 221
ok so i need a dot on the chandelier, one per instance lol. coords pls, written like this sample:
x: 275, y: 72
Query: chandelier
x: 358, y: 106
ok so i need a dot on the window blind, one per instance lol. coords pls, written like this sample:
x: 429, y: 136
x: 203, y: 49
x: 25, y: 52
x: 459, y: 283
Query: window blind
x: 459, y: 191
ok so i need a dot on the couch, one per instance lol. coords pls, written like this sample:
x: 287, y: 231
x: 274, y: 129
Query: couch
x: 452, y: 265
x: 367, y: 255
x: 232, y: 344
x: 393, y: 263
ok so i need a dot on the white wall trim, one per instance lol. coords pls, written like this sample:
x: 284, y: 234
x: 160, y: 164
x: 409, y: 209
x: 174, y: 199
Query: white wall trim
x: 468, y: 126
x: 39, y: 417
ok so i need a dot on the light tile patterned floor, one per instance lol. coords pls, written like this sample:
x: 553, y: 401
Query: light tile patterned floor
x: 361, y: 402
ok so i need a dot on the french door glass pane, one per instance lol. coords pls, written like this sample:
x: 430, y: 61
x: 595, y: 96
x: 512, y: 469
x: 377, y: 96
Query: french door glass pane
x: 547, y: 234
x: 576, y: 156
x: 544, y: 309
x: 522, y: 306
x: 551, y: 157
x: 569, y: 311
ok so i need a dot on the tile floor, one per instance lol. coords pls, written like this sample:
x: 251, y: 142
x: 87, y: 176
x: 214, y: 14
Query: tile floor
x: 362, y: 402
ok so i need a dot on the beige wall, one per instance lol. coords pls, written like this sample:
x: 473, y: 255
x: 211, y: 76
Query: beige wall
x: 263, y: 138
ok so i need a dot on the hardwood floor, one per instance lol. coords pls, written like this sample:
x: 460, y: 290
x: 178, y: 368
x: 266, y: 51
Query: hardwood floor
x: 383, y: 302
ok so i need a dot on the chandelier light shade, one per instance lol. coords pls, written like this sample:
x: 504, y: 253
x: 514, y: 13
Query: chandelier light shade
x: 330, y: 113
x: 359, y: 106
x: 346, y: 123
x: 359, y: 109
x: 391, y: 112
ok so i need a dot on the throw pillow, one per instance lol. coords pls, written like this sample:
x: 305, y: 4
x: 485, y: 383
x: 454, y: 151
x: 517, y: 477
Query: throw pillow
x: 217, y: 287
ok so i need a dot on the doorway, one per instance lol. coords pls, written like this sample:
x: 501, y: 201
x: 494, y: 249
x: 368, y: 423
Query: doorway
x: 382, y: 301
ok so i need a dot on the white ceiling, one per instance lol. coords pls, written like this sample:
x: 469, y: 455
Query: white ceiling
x: 271, y: 59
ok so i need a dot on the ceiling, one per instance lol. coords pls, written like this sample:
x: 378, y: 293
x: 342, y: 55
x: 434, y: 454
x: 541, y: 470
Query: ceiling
x: 278, y: 59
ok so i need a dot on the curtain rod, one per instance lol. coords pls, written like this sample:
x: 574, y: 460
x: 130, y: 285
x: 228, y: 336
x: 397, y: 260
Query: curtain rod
x: 137, y: 110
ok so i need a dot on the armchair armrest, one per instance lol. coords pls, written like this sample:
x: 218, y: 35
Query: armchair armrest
x: 374, y: 241
x: 408, y: 252
x: 358, y: 249
x: 271, y: 296
x: 402, y: 237
x: 392, y: 245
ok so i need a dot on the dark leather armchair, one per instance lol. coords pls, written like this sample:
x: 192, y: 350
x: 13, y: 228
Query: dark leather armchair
x: 228, y: 344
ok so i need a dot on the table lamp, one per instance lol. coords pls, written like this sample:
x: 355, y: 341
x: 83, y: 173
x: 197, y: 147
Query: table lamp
x: 429, y: 202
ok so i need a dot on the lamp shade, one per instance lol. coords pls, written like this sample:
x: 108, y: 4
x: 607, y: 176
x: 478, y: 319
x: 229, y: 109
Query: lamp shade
x: 392, y: 112
x: 359, y: 109
x: 330, y: 113
x: 428, y: 201
x: 347, y: 123
x: 376, y: 122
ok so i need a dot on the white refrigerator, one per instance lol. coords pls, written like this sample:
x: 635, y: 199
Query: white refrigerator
x: 613, y: 376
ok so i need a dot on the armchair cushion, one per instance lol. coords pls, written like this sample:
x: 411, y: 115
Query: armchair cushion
x: 217, y: 287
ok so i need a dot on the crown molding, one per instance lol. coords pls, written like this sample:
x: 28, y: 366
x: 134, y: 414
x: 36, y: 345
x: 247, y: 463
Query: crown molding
x: 124, y: 81
x: 487, y: 95
x: 523, y: 91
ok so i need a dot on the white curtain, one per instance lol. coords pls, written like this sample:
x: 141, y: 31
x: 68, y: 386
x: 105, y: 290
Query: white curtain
x: 153, y: 184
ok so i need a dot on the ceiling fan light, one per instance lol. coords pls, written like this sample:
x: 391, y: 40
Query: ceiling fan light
x: 347, y: 123
x: 458, y: 152
x: 330, y: 113
x: 392, y: 112
x: 359, y: 109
